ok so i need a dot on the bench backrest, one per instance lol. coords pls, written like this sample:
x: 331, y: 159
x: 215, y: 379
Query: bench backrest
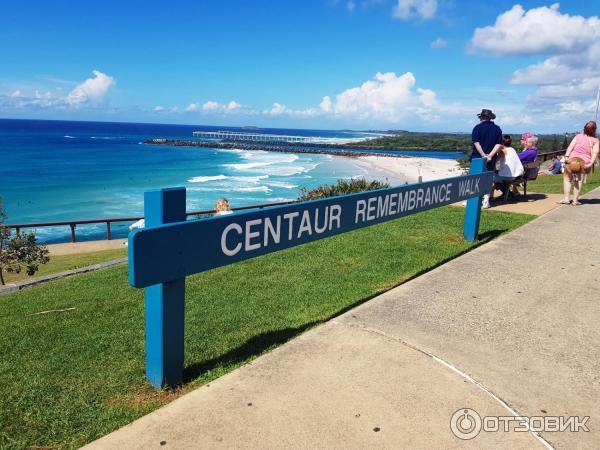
x: 531, y: 171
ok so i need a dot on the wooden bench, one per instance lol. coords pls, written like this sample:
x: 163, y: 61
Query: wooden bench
x: 530, y: 174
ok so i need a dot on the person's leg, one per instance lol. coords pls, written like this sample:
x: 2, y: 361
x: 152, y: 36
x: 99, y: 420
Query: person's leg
x: 490, y: 166
x: 502, y: 187
x: 577, y: 184
x: 567, y: 186
x: 485, y: 202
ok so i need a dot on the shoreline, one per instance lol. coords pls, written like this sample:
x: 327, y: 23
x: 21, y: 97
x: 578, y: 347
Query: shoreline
x: 403, y: 170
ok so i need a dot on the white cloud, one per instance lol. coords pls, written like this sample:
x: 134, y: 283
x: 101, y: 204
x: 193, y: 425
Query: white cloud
x: 350, y: 6
x: 415, y: 9
x: 231, y: 106
x: 387, y: 97
x: 92, y: 89
x: 519, y: 119
x: 326, y: 104
x: 439, y: 43
x: 159, y: 108
x: 16, y: 93
x: 211, y: 106
x: 276, y: 110
x: 542, y: 30
x: 566, y: 81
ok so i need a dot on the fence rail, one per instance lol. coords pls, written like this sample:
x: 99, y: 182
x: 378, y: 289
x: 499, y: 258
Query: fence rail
x: 108, y: 221
x: 549, y: 155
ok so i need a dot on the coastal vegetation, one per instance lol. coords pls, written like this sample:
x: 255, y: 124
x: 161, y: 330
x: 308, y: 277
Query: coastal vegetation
x: 342, y: 187
x: 454, y: 142
x: 20, y: 252
x: 72, y: 364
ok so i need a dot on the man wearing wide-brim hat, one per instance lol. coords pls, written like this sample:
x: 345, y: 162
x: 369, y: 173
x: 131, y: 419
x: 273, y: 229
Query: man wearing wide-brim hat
x: 487, y: 141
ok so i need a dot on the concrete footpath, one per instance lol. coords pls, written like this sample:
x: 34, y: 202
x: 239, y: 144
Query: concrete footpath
x: 509, y: 329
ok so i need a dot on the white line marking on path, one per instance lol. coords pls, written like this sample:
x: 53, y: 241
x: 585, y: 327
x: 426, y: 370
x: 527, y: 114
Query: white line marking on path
x: 456, y: 370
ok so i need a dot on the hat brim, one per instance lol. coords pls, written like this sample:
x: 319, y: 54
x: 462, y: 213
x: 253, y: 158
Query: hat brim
x: 487, y: 116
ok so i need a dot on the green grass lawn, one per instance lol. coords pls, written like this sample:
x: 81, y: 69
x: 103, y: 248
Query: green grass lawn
x: 71, y: 377
x: 553, y: 184
x: 68, y: 262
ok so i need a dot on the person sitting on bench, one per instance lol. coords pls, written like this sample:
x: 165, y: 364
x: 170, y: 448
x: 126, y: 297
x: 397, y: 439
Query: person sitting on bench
x: 509, y: 165
x: 529, y: 154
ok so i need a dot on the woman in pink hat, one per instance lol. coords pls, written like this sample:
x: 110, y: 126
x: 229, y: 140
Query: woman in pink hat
x: 524, y: 138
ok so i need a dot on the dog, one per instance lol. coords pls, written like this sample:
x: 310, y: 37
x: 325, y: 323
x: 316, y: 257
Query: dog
x: 575, y: 168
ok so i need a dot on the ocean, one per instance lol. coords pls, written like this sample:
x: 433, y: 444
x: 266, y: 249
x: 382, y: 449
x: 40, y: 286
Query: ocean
x: 63, y: 170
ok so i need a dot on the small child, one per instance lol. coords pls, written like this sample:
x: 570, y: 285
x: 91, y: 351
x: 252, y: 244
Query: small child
x: 222, y: 207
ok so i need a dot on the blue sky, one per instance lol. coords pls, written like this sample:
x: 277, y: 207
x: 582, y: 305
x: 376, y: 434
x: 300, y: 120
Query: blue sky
x: 397, y: 64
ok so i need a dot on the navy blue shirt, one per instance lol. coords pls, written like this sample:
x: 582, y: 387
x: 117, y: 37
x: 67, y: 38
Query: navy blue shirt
x: 488, y: 134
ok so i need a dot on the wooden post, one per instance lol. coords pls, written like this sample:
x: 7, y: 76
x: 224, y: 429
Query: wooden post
x: 108, y: 233
x: 72, y: 232
x: 473, y: 209
x: 165, y: 302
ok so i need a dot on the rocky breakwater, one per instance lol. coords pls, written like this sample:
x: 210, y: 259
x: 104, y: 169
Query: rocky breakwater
x: 284, y: 147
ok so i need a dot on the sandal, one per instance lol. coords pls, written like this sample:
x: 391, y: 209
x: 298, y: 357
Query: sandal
x: 576, y: 203
x: 564, y: 202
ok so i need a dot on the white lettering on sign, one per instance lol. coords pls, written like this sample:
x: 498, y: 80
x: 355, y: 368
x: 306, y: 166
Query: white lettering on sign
x: 258, y: 233
x: 228, y: 251
x: 252, y: 235
x: 468, y: 187
x: 398, y: 202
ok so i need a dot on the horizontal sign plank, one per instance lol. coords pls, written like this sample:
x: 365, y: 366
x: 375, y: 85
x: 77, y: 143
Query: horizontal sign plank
x: 172, y: 251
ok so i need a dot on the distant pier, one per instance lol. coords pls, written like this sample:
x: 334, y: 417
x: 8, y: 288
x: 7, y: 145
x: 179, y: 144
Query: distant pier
x: 254, y: 137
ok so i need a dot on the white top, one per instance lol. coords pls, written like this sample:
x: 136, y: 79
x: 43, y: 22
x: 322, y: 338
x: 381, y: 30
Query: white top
x: 224, y: 212
x: 139, y: 224
x: 509, y: 164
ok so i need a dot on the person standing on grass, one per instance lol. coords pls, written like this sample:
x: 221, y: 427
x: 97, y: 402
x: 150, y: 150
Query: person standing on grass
x: 487, y: 141
x: 585, y: 147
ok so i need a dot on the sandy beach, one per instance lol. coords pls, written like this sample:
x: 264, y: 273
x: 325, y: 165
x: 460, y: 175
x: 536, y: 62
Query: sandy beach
x: 402, y: 170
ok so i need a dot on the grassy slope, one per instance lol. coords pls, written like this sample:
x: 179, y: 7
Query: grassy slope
x: 67, y: 262
x: 553, y: 184
x: 71, y: 377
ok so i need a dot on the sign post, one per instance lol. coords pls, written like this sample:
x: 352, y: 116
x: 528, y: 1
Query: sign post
x: 165, y: 302
x: 170, y: 248
x: 473, y: 209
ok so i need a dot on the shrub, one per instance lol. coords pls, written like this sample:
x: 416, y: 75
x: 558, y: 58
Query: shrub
x: 342, y: 187
x: 19, y: 252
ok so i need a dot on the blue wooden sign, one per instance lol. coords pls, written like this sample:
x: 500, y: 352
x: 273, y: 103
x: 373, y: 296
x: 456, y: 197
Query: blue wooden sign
x: 171, y: 248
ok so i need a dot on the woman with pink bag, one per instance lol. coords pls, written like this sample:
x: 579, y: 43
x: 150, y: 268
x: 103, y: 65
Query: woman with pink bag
x: 580, y: 157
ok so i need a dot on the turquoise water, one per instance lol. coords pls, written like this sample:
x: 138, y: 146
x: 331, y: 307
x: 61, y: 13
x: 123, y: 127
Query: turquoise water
x: 60, y: 171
